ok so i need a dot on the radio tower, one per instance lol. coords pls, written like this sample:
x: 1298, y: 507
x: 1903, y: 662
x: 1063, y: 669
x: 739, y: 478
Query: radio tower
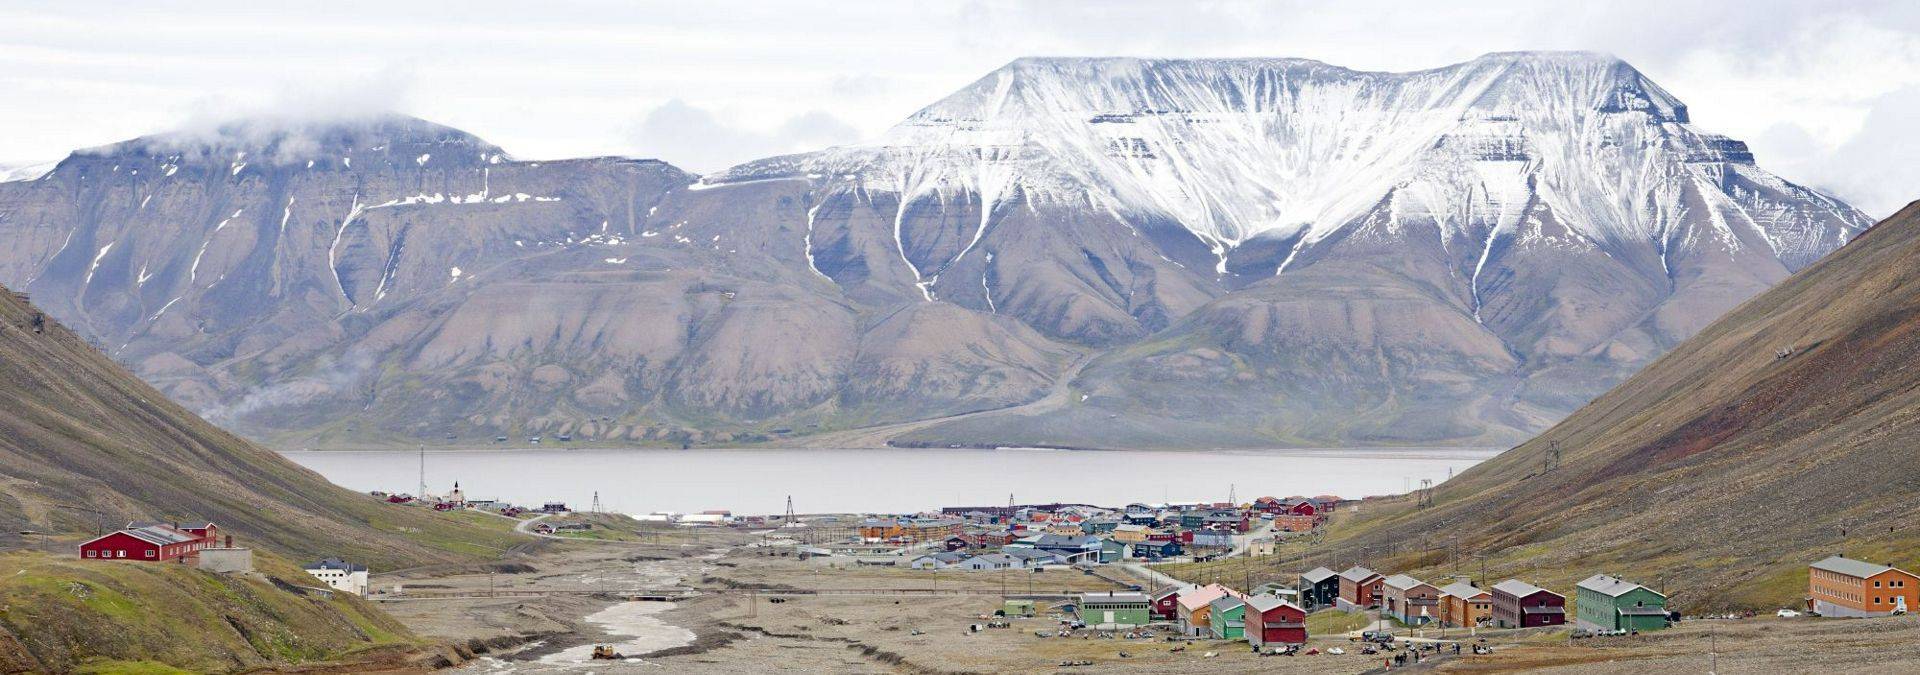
x: 596, y: 501
x: 791, y: 519
x: 422, y: 494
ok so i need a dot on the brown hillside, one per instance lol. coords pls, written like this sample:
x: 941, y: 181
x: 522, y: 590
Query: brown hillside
x: 1721, y: 468
x: 84, y: 443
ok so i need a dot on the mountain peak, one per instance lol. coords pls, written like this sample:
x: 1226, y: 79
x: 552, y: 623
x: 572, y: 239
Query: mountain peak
x: 286, y: 139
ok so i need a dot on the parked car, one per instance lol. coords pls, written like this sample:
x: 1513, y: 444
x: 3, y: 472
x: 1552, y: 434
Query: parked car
x: 1786, y: 614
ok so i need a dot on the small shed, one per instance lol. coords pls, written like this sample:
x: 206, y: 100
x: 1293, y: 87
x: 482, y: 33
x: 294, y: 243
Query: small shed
x: 1016, y: 608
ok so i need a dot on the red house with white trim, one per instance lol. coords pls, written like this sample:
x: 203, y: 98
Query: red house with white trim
x: 1273, y: 622
x: 151, y: 542
x: 1166, y: 604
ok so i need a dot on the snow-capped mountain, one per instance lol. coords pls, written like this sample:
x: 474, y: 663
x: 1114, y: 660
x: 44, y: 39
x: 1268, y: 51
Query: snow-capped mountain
x: 1296, y: 151
x: 1124, y: 252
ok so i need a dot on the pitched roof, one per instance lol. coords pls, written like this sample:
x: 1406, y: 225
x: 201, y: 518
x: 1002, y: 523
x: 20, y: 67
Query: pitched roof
x: 1164, y: 592
x: 1030, y: 554
x: 1462, y: 589
x: 1850, y: 567
x: 158, y: 535
x: 1613, y: 587
x: 336, y: 564
x: 1196, y: 598
x: 1266, y: 603
x: 1225, y: 602
x: 1357, y: 574
x: 1404, y: 582
x: 1518, y: 588
x: 1111, y: 597
x: 1317, y: 574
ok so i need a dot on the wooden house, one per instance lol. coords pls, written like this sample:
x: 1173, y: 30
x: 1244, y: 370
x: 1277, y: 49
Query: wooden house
x: 1273, y: 622
x: 1226, y: 618
x: 1518, y: 604
x: 1603, y: 602
x: 1412, y: 601
x: 1840, y: 586
x: 1464, y: 605
x: 1359, y: 589
x: 1166, y: 604
x: 1319, y: 587
x: 1116, y: 609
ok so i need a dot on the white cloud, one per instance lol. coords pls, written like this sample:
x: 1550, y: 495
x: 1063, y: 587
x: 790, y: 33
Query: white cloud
x: 697, y: 139
x: 572, y: 78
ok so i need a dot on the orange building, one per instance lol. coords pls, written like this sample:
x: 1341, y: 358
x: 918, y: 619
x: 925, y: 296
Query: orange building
x: 1841, y: 586
x: 933, y: 529
x: 1463, y: 604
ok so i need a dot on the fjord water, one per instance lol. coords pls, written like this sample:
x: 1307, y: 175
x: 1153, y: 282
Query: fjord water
x: 758, y: 481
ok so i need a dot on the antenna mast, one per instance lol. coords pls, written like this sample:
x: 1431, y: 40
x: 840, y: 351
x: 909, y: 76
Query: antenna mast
x: 422, y: 494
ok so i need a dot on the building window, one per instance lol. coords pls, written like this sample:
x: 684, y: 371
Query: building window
x: 92, y: 554
x: 120, y: 553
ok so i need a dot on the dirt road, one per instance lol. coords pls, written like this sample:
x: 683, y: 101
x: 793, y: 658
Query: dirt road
x: 1058, y: 396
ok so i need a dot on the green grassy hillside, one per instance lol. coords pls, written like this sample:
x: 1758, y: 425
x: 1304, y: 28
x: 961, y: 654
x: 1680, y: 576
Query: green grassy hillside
x: 1782, y: 433
x: 64, y: 615
x: 84, y: 443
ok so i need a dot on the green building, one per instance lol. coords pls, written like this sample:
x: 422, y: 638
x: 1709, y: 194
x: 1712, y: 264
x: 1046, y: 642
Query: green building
x: 1228, y: 618
x: 1611, y: 603
x: 1112, y: 550
x: 1016, y: 608
x: 1114, y: 609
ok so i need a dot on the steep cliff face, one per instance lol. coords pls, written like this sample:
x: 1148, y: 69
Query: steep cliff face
x: 1277, y: 250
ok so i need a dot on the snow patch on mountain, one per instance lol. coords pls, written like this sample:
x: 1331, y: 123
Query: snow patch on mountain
x: 1301, y: 150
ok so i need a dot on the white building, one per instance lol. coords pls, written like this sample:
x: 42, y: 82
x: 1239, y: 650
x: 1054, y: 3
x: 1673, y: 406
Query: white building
x: 341, y: 575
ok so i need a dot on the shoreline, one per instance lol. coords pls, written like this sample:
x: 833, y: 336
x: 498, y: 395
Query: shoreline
x: 573, y: 447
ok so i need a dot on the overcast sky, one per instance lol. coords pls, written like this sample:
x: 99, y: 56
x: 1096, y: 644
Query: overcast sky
x: 1827, y: 93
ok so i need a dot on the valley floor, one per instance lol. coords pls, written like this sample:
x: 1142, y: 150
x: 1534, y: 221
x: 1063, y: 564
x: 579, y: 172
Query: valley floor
x: 924, y: 626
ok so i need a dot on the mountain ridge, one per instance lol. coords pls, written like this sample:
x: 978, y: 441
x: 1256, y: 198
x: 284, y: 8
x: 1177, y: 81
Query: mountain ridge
x: 1484, y: 255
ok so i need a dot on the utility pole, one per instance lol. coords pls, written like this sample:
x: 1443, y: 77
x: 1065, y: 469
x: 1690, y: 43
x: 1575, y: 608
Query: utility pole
x: 422, y: 494
x: 1713, y: 650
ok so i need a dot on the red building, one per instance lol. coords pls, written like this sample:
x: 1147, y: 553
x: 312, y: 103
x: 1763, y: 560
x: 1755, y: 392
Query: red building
x: 1273, y: 622
x: 1166, y: 604
x: 1359, y: 588
x: 152, y: 542
x: 1518, y: 604
x: 1293, y: 523
x: 207, y: 532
